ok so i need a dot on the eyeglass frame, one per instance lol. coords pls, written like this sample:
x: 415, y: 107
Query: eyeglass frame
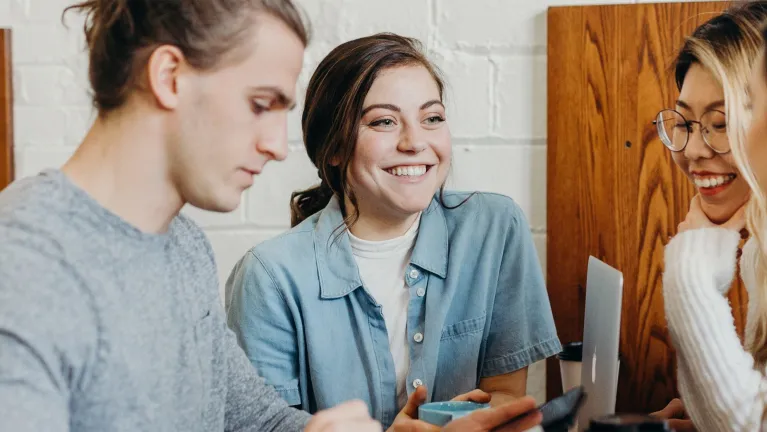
x: 688, y: 124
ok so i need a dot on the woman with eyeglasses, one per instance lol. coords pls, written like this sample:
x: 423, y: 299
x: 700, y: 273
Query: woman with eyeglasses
x: 695, y: 130
x: 721, y: 381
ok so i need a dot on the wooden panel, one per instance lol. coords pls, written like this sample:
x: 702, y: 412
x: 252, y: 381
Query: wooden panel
x: 6, y: 110
x: 613, y: 189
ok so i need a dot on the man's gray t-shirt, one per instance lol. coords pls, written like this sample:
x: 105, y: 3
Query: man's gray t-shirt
x: 106, y: 328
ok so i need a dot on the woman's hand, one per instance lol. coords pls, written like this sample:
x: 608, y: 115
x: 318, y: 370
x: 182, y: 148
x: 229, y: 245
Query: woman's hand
x: 696, y: 219
x: 477, y: 395
x: 406, y: 420
x: 676, y: 416
x: 515, y: 416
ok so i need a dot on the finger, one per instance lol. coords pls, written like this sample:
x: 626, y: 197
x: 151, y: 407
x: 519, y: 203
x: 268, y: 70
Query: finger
x: 474, y: 396
x: 681, y: 425
x: 422, y: 426
x: 359, y: 426
x: 525, y: 423
x: 410, y: 425
x: 352, y: 411
x: 492, y: 417
x: 345, y: 425
x: 416, y: 399
x: 674, y: 409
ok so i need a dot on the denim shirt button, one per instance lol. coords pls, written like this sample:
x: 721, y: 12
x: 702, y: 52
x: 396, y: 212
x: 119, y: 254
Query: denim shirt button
x: 417, y: 383
x: 414, y: 274
x: 418, y: 337
x: 421, y: 292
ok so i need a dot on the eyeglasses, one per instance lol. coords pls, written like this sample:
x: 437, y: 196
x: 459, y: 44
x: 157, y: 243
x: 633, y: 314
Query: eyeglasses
x: 674, y: 130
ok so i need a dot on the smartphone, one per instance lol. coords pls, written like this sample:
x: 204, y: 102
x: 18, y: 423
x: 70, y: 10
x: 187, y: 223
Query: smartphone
x: 560, y: 413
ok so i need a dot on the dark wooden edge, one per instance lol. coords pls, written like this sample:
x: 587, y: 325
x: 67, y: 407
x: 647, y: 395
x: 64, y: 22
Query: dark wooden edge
x: 6, y: 110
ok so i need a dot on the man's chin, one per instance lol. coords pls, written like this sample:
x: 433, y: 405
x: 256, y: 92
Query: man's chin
x: 217, y: 205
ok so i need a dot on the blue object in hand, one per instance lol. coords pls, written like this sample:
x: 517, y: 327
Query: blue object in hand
x: 442, y: 413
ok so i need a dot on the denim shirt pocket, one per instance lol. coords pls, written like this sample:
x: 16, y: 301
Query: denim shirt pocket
x: 463, y: 328
x: 289, y: 392
x: 459, y: 361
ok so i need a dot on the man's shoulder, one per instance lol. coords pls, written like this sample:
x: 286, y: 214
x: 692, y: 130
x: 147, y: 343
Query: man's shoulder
x: 46, y: 236
x: 33, y: 218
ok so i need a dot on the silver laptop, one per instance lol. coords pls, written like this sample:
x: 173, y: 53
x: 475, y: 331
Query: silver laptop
x: 601, y: 336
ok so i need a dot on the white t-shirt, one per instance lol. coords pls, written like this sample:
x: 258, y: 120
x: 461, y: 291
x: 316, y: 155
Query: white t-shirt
x: 382, y: 266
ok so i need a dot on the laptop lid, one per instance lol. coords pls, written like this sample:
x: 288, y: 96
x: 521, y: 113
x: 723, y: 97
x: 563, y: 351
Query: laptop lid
x: 601, y: 337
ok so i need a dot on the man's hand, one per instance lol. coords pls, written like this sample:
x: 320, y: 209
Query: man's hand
x: 350, y: 416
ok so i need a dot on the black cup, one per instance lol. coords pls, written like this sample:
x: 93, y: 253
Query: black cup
x: 572, y: 351
x: 628, y: 423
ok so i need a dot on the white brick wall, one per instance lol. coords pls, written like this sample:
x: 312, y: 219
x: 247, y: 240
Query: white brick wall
x: 492, y: 53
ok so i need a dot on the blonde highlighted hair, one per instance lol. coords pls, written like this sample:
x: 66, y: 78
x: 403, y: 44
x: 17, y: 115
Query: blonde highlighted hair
x: 727, y: 46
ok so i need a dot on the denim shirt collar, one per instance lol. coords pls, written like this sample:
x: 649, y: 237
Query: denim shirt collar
x: 336, y: 267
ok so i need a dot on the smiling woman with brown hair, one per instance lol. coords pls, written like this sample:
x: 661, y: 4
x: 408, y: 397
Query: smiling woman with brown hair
x: 389, y: 286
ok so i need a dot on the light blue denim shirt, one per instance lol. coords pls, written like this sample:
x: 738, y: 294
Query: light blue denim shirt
x: 477, y: 296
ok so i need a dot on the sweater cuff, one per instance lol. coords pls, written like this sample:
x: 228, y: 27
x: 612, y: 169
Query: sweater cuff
x: 704, y: 251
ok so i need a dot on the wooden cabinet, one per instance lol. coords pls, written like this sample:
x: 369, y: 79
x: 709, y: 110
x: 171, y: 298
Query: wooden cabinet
x: 613, y: 189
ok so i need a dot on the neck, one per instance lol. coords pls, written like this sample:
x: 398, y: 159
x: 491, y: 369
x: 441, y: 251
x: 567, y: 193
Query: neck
x: 122, y: 165
x: 376, y: 227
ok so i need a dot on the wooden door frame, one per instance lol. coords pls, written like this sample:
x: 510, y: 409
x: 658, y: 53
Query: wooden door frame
x: 6, y: 110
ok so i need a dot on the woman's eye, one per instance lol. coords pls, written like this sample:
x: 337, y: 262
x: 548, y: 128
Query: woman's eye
x: 382, y: 122
x: 435, y: 120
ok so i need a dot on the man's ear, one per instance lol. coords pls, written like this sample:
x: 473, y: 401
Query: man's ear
x: 163, y: 75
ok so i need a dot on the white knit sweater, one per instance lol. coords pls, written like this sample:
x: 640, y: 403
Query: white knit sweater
x: 717, y: 381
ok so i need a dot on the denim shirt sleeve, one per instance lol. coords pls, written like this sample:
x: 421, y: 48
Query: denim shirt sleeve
x: 259, y: 316
x: 522, y: 327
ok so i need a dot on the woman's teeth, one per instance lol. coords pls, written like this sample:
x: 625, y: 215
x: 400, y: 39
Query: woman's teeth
x: 713, y: 181
x: 417, y: 170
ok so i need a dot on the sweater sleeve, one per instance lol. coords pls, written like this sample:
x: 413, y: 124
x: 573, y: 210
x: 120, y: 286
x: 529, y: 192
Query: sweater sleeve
x: 252, y: 404
x: 48, y: 340
x: 717, y: 380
